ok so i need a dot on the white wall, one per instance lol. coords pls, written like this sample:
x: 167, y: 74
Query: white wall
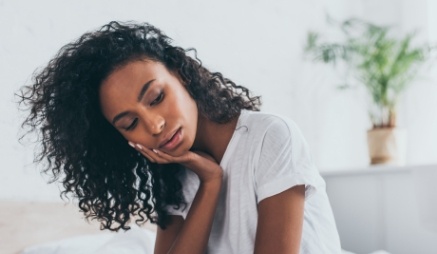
x: 256, y: 43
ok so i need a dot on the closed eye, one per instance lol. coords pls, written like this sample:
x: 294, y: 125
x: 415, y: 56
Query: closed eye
x: 158, y: 99
x: 133, y: 124
x: 154, y: 102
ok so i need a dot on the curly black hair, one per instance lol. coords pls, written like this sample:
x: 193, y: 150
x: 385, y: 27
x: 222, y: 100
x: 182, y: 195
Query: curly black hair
x: 112, y: 182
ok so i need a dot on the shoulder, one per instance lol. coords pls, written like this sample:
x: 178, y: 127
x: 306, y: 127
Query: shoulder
x: 270, y: 124
x: 273, y: 129
x: 272, y: 137
x: 280, y: 140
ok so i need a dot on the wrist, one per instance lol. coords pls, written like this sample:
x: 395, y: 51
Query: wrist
x: 213, y: 174
x: 206, y: 169
x: 211, y: 184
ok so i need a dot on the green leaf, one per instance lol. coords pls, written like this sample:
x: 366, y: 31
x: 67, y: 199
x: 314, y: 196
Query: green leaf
x: 384, y: 64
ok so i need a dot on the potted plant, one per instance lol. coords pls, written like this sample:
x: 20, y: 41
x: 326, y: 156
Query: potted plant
x: 386, y: 66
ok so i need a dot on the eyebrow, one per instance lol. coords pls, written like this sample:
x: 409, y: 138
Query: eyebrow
x: 140, y: 96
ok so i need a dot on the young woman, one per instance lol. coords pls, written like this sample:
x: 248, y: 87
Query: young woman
x: 136, y: 129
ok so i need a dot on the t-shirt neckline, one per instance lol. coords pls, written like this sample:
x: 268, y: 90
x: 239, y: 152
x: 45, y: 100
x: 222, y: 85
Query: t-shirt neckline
x: 234, y: 139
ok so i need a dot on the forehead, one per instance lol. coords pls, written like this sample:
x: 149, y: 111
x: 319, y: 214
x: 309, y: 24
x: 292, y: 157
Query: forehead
x: 124, y: 83
x: 128, y: 78
x: 133, y: 72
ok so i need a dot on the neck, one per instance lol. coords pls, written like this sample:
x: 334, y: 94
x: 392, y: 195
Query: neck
x: 213, y: 138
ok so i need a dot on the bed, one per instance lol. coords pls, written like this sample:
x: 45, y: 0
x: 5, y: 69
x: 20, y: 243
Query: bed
x: 53, y: 227
x: 25, y: 223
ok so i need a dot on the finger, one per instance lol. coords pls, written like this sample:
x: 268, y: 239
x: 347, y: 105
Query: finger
x: 169, y: 158
x: 155, y: 158
x: 163, y: 156
x: 147, y: 155
x: 139, y: 148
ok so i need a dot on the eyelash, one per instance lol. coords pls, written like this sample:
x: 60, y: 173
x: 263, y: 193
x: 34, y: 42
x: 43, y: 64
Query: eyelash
x: 154, y: 102
x: 158, y: 99
x: 133, y: 124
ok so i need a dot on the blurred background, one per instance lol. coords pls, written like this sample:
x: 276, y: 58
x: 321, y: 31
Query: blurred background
x: 258, y: 44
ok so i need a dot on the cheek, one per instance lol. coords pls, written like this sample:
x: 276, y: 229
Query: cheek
x: 134, y: 135
x: 187, y: 108
x: 192, y: 119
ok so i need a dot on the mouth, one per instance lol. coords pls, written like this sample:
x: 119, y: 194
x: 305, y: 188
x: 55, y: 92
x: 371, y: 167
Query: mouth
x: 173, y: 141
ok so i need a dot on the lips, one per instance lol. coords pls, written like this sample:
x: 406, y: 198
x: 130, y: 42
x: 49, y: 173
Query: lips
x: 170, y: 141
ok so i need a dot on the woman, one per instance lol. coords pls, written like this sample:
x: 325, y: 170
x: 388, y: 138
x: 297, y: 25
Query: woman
x: 137, y: 129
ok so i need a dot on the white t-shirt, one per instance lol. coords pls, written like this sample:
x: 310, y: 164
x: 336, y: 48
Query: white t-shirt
x: 266, y: 155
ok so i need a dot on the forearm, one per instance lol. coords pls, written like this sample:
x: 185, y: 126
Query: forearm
x: 280, y: 222
x: 194, y: 234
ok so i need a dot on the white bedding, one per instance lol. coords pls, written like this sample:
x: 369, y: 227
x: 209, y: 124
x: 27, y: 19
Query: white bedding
x: 134, y: 241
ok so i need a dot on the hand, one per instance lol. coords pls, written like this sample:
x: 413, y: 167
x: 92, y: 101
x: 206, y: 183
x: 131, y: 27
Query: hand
x: 202, y: 164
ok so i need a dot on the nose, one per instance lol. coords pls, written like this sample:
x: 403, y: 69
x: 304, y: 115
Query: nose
x: 154, y: 123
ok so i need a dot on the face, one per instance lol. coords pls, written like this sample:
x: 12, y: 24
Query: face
x: 149, y: 105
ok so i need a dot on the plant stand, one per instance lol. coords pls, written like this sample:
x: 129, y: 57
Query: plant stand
x: 387, y: 146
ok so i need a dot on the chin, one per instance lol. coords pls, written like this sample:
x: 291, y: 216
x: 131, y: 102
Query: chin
x: 181, y: 150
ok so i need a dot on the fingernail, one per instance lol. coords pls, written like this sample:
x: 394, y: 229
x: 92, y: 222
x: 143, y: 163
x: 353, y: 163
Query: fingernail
x: 155, y: 151
x: 131, y: 144
x: 139, y: 146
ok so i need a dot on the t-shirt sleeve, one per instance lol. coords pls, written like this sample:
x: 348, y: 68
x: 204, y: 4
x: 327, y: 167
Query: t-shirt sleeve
x: 285, y: 161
